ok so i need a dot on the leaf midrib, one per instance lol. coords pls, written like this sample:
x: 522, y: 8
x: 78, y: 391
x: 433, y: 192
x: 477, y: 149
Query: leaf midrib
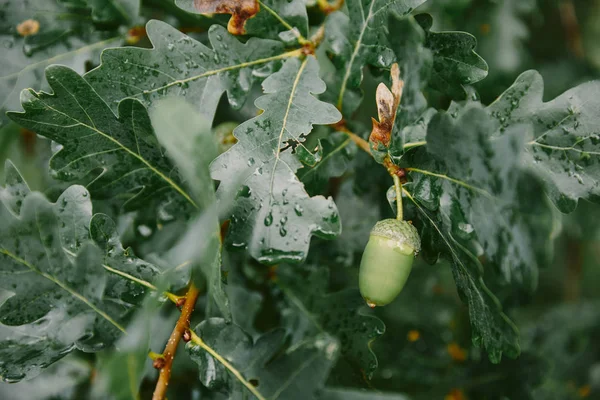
x: 124, y: 148
x: 63, y: 286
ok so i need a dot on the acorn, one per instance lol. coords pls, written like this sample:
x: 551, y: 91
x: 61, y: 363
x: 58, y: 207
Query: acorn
x: 387, y: 261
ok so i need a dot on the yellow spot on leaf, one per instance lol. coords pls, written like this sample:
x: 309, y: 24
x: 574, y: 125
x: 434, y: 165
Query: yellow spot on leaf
x: 456, y: 352
x: 455, y: 394
x: 584, y: 391
x: 413, y: 335
x: 28, y: 27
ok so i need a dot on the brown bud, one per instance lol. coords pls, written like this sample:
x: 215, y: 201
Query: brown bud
x: 159, y: 363
x: 187, y: 336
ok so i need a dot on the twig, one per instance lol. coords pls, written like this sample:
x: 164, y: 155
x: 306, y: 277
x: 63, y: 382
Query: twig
x: 360, y: 142
x: 183, y: 324
x: 571, y: 27
x: 398, y: 186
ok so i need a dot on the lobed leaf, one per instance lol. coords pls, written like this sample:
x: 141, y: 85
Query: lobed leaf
x: 57, y: 34
x: 178, y: 65
x: 59, y: 278
x: 272, y: 371
x: 564, y: 147
x: 359, y: 39
x: 273, y: 215
x: 478, y: 203
x: 308, y: 309
x: 119, y: 157
x: 455, y: 62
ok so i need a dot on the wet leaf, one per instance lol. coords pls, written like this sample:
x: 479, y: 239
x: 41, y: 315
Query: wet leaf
x: 61, y: 283
x: 356, y: 41
x: 178, y: 65
x: 407, y: 40
x: 110, y: 11
x: 273, y: 215
x: 308, y: 308
x: 564, y: 147
x: 455, y: 62
x: 240, y: 10
x: 338, y: 152
x: 476, y: 205
x: 274, y: 371
x: 285, y: 20
x: 57, y: 34
x: 119, y: 157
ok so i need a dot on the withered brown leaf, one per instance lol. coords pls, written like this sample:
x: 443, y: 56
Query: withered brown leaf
x: 387, y: 105
x: 240, y: 10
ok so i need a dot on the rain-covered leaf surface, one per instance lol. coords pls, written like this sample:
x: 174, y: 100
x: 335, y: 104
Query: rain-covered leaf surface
x: 276, y: 372
x: 62, y: 284
x: 356, y: 41
x: 178, y: 65
x: 308, y: 309
x: 280, y: 19
x: 477, y: 205
x: 119, y: 157
x: 455, y: 62
x: 564, y: 147
x: 53, y: 34
x: 338, y: 152
x: 407, y: 40
x: 273, y: 216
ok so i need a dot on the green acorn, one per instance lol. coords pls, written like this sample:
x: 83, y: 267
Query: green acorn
x: 387, y: 261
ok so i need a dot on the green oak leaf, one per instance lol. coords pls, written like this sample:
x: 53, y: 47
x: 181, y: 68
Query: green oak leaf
x: 309, y: 309
x: 189, y: 142
x: 62, y: 283
x: 455, y: 62
x: 120, y: 158
x: 178, y: 65
x: 109, y: 11
x: 283, y: 19
x: 265, y: 365
x: 357, y: 40
x: 475, y: 204
x: 407, y: 39
x: 503, y: 42
x: 564, y: 149
x: 273, y: 215
x: 63, y: 37
x: 338, y: 152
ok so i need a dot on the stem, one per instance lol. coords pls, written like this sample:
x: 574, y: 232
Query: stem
x: 183, y: 324
x: 398, y: 186
x: 198, y: 341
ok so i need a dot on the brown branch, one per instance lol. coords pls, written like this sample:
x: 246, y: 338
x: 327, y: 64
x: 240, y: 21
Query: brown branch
x: 182, y: 326
x: 570, y: 24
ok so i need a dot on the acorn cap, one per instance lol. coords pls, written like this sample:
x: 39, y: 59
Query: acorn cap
x: 402, y: 235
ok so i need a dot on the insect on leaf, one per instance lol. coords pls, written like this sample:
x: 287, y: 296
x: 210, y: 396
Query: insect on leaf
x: 273, y: 215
